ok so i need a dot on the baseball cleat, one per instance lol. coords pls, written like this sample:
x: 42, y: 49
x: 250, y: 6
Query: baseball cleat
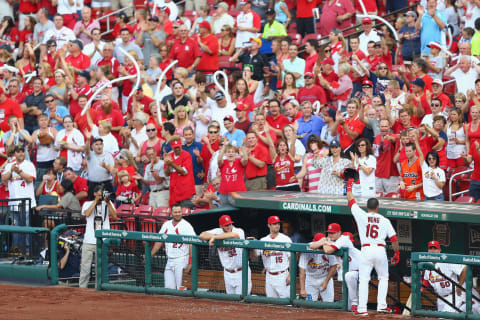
x: 385, y: 310
x: 360, y: 314
x: 353, y: 308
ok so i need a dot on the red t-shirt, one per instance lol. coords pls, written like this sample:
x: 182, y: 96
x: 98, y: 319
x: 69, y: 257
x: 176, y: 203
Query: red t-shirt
x: 251, y: 170
x: 79, y: 185
x: 310, y: 62
x: 8, y: 108
x: 232, y: 177
x: 74, y: 107
x: 354, y: 125
x: 398, y: 127
x: 185, y: 52
x: 112, y: 62
x: 209, y: 62
x: 312, y: 94
x: 145, y: 101
x: 27, y: 6
x: 384, y: 151
x: 360, y: 56
x: 370, y: 5
x: 278, y: 123
x: 244, y: 126
x: 164, y: 64
x: 182, y: 187
x: 476, y: 168
x: 428, y: 82
x: 26, y: 36
x: 18, y: 98
x: 130, y: 191
x: 82, y: 122
x: 274, y: 139
x: 412, y: 175
x: 127, y: 84
x: 284, y: 170
x: 206, y: 156
x: 429, y: 142
x: 82, y: 61
x: 373, y: 62
x: 305, y: 7
x: 331, y: 78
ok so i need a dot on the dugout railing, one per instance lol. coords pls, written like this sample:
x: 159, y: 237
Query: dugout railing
x: 143, y: 273
x: 424, y: 299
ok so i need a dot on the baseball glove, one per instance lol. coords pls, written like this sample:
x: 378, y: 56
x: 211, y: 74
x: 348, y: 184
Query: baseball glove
x: 350, y: 173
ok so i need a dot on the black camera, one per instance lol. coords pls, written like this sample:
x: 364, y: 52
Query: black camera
x: 107, y: 195
x: 74, y: 244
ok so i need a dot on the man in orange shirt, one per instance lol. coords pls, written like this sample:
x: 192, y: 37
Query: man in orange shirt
x: 411, y: 174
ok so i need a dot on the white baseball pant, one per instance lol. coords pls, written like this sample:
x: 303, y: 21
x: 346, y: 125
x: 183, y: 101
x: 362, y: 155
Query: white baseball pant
x: 233, y: 281
x: 312, y: 287
x: 276, y: 284
x: 351, y: 279
x: 374, y: 257
x: 174, y: 272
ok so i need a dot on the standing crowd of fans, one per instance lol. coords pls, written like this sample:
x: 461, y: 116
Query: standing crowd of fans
x: 405, y: 113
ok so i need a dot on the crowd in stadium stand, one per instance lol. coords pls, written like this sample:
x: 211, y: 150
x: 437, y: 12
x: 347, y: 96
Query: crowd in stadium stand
x: 307, y: 96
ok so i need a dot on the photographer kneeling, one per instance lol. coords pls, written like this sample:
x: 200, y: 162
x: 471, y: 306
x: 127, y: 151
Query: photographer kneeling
x: 97, y: 214
x: 69, y: 255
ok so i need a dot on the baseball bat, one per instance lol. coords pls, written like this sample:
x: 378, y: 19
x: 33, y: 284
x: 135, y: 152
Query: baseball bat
x: 408, y: 305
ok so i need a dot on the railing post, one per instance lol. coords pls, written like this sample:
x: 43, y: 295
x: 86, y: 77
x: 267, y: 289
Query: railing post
x: 345, y: 268
x: 53, y: 252
x: 99, y: 264
x: 415, y: 288
x: 148, y: 265
x: 244, y: 272
x: 468, y: 295
x: 194, y: 269
x: 293, y: 276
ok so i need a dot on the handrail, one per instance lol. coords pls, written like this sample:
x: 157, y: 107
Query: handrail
x: 451, y: 180
x: 107, y: 16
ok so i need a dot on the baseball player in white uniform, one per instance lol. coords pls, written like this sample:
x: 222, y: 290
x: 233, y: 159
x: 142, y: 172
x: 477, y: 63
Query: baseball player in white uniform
x: 231, y: 258
x: 373, y: 229
x: 276, y: 263
x: 179, y: 254
x: 442, y: 286
x: 316, y: 274
x: 335, y: 241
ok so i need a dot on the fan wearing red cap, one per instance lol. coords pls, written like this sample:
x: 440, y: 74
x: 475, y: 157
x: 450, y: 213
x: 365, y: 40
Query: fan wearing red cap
x: 336, y: 240
x: 443, y: 287
x: 208, y: 44
x: 311, y: 91
x: 179, y: 254
x: 373, y: 229
x: 231, y: 258
x: 232, y: 164
x: 316, y: 274
x: 276, y: 263
x: 328, y: 76
x: 178, y: 166
x: 368, y: 34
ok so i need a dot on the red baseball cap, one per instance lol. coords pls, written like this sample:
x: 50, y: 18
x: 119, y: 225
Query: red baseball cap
x: 434, y: 44
x: 366, y: 20
x: 318, y: 236
x: 328, y: 61
x: 434, y: 244
x: 273, y: 219
x: 166, y: 9
x: 176, y: 143
x: 241, y: 107
x: 349, y: 234
x: 334, y: 227
x: 229, y: 118
x: 204, y: 24
x: 367, y: 83
x: 308, y: 74
x: 225, y: 220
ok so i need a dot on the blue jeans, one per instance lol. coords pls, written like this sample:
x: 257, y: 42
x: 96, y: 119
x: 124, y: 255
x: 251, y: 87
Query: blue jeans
x: 439, y: 197
x: 20, y: 218
x: 474, y: 190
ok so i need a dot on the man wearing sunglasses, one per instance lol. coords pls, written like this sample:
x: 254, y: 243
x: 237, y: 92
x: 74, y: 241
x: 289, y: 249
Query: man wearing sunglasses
x: 55, y: 113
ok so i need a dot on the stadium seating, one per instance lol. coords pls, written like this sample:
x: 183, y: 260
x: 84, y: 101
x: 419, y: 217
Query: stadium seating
x: 143, y: 210
x: 466, y: 199
x: 296, y: 38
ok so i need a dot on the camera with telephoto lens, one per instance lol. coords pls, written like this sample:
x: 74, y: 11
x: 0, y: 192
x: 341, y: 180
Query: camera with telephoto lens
x: 107, y: 195
x: 125, y: 200
x: 74, y: 244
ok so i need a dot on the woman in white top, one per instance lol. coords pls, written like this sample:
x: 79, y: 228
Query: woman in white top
x: 366, y: 163
x: 433, y: 176
x: 290, y: 135
x: 44, y: 139
x: 456, y: 140
x: 70, y: 144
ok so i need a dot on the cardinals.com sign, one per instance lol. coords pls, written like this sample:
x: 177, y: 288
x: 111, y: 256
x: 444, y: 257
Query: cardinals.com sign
x: 310, y: 207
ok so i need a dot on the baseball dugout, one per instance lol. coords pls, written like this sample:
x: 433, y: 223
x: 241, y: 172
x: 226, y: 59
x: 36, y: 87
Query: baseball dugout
x: 436, y: 289
x: 146, y: 273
